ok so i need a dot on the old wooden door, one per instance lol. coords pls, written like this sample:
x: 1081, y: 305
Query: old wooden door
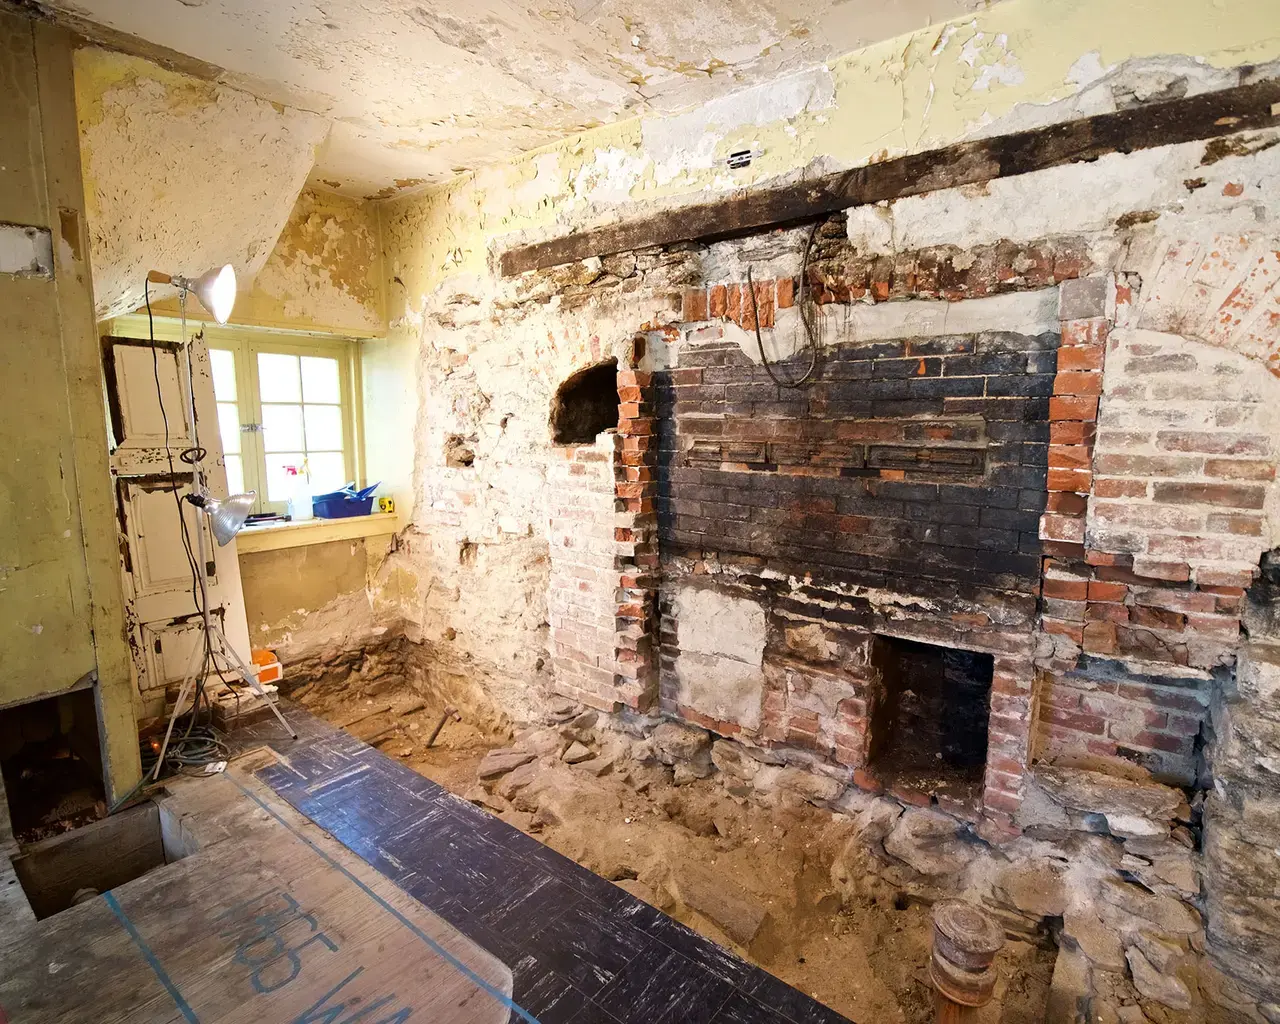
x: 149, y: 433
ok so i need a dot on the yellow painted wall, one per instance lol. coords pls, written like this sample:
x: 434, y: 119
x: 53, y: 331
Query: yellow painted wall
x: 61, y: 608
x: 904, y: 95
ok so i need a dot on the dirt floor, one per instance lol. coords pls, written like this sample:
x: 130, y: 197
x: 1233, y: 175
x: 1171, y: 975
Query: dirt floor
x: 756, y: 879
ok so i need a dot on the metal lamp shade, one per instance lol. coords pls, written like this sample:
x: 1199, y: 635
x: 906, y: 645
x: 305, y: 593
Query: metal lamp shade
x: 227, y: 515
x: 216, y: 290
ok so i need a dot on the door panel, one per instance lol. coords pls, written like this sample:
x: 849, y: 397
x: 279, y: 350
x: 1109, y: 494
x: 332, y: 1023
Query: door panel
x: 157, y: 576
x: 166, y: 649
x: 155, y: 542
x: 137, y: 414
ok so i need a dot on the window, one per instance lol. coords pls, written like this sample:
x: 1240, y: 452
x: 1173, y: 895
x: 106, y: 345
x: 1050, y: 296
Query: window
x: 284, y: 409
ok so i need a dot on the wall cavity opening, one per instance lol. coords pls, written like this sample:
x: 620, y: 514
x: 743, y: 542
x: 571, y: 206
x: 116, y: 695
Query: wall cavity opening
x: 586, y: 404
x: 459, y: 451
x: 51, y: 764
x: 929, y: 725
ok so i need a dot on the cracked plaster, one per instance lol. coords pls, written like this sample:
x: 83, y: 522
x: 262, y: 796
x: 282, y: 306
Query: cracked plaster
x: 181, y: 174
x: 418, y: 91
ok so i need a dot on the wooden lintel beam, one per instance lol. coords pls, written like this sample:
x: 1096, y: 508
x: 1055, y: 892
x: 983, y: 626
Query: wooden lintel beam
x: 1206, y: 116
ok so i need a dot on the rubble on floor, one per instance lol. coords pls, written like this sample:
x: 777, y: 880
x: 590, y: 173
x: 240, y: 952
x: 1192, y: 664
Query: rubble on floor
x: 827, y: 885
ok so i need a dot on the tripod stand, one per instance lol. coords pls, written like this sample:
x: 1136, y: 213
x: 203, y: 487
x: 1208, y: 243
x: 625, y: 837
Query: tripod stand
x: 212, y: 634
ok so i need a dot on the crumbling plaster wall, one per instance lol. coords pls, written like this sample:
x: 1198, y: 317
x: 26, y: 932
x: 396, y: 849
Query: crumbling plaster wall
x: 323, y: 274
x: 1186, y: 232
x: 489, y: 353
x: 181, y: 174
x: 1019, y: 64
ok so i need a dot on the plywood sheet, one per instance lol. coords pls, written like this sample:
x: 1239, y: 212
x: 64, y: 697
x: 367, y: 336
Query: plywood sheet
x: 273, y: 922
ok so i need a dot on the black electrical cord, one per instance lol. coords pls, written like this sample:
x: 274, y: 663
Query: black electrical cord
x: 190, y: 456
x: 199, y: 745
x: 805, y: 319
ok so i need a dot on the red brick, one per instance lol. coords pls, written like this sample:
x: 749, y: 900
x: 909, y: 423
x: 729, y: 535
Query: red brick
x: 694, y: 305
x: 718, y: 302
x: 1100, y: 591
x: 1239, y: 469
x: 1070, y: 590
x: 1224, y: 578
x: 1212, y: 442
x: 1001, y: 801
x: 1087, y: 383
x: 1227, y: 626
x: 1113, y: 487
x: 1070, y: 480
x: 1078, y: 720
x: 1055, y: 527
x: 1073, y: 407
x: 1068, y: 503
x: 1157, y: 618
x: 1243, y: 496
x: 1069, y: 456
x: 786, y: 292
x: 1245, y: 526
x: 1161, y: 741
x: 1100, y: 637
x: 1090, y: 332
x: 865, y: 780
x: 1068, y: 629
x: 764, y: 291
x: 1081, y: 357
x: 1071, y: 432
x: 733, y: 309
x: 1103, y: 611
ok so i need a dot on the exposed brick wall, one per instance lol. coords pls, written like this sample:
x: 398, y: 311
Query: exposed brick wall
x: 603, y: 543
x: 839, y: 273
x: 907, y: 461
x: 582, y: 592
x: 636, y: 536
x: 1100, y: 708
x: 1185, y: 452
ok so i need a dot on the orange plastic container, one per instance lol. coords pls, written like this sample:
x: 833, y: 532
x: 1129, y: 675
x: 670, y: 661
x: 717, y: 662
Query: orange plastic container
x: 267, y: 666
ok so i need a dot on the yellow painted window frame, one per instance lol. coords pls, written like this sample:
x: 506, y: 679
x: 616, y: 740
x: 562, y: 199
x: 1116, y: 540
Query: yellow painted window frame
x: 245, y: 343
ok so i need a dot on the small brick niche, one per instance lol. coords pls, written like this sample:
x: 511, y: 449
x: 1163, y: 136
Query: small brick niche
x: 929, y: 724
x: 586, y: 404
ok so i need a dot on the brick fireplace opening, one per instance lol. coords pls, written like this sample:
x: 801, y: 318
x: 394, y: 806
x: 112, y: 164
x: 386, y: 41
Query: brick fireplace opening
x: 929, y: 724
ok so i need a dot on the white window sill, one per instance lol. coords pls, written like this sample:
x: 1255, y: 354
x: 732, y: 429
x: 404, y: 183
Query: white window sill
x: 274, y: 536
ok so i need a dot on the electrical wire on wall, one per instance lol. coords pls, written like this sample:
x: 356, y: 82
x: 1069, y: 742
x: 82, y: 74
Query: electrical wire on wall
x: 806, y: 320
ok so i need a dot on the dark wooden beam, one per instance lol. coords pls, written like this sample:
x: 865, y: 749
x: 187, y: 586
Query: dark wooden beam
x: 1243, y: 108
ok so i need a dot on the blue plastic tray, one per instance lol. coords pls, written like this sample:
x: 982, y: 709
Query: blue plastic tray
x: 344, y: 504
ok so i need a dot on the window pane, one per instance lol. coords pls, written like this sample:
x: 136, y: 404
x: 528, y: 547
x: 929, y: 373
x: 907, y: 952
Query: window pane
x: 223, y: 364
x: 229, y: 427
x: 281, y: 486
x: 320, y: 380
x: 282, y: 428
x: 324, y: 427
x: 235, y: 475
x: 278, y: 377
x: 328, y: 472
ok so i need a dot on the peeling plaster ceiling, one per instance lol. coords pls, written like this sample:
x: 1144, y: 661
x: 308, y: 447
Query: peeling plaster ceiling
x: 418, y: 90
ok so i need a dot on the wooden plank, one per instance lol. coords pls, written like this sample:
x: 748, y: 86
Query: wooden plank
x: 270, y: 920
x: 1243, y: 108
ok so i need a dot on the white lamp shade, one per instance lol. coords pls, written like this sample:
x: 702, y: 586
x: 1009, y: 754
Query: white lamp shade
x: 216, y: 290
x: 227, y: 515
